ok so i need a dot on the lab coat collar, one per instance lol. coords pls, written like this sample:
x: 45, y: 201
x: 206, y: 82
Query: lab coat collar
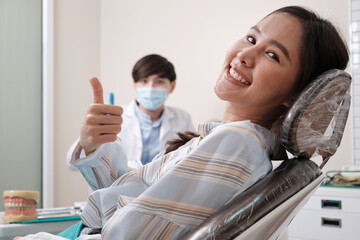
x: 168, y: 114
x: 129, y: 110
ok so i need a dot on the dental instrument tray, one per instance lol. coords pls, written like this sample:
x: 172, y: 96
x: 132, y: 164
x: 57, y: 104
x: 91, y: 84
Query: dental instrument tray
x: 56, y: 215
x: 63, y: 212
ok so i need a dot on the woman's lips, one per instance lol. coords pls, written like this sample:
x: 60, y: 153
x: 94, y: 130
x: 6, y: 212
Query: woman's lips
x: 233, y: 76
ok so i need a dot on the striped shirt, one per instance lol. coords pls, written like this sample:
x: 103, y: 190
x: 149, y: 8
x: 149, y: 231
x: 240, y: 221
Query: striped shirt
x: 173, y: 194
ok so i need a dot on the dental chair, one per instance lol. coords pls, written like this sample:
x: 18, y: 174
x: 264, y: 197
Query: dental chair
x: 313, y: 126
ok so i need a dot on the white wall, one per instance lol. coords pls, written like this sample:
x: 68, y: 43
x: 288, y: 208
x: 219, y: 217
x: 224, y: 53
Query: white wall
x: 77, y: 57
x: 193, y: 34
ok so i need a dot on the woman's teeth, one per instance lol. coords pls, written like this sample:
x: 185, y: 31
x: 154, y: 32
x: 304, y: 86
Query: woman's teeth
x: 236, y: 76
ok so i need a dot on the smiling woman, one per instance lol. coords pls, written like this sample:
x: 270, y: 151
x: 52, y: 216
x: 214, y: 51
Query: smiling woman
x: 179, y: 189
x: 109, y: 36
x: 271, y: 48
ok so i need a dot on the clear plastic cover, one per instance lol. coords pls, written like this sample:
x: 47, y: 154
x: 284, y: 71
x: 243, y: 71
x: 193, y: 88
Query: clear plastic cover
x: 315, y: 123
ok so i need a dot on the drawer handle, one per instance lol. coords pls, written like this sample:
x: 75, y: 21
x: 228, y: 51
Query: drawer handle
x: 334, y: 204
x: 331, y: 222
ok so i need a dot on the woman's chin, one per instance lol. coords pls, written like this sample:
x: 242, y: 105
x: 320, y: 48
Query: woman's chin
x: 217, y: 89
x: 223, y: 89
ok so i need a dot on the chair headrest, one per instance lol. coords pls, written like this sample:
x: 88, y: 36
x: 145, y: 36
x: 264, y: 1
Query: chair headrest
x: 315, y: 123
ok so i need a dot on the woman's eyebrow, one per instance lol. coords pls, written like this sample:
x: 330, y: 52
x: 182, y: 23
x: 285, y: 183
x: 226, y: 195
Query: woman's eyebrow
x: 276, y: 43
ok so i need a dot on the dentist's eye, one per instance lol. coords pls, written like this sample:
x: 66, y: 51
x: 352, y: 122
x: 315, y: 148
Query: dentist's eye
x: 160, y: 82
x: 251, y: 39
x: 273, y: 56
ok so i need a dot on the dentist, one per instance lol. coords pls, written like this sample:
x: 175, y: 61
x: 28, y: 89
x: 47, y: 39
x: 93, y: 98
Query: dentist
x: 147, y: 123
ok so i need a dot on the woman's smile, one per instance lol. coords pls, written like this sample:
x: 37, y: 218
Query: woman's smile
x: 259, y: 74
x: 237, y: 76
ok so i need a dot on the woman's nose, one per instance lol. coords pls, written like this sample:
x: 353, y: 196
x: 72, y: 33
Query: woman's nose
x: 247, y: 56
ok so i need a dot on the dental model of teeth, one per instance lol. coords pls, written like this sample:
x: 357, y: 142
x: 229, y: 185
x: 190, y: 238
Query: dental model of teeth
x: 20, y: 206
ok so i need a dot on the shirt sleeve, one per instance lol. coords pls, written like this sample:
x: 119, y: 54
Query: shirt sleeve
x: 102, y: 167
x: 70, y: 153
x: 188, y: 187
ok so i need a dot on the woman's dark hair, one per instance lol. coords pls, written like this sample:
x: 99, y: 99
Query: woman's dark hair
x: 183, y: 137
x: 322, y: 49
x: 322, y: 46
x: 153, y: 64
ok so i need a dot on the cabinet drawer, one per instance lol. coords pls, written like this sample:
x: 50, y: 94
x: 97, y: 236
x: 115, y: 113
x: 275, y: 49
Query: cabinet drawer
x: 334, y: 204
x: 327, y: 225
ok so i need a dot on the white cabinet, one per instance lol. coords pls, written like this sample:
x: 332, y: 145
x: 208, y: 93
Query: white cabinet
x: 332, y: 213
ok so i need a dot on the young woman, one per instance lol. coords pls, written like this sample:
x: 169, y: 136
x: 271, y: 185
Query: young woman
x: 262, y: 74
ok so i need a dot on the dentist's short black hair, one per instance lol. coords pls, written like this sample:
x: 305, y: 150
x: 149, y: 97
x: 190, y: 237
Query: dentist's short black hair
x: 153, y: 64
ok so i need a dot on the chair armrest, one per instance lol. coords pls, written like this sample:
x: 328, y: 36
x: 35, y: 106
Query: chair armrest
x: 264, y: 196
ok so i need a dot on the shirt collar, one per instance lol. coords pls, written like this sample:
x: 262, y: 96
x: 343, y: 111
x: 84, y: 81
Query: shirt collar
x: 146, y: 119
x: 205, y: 128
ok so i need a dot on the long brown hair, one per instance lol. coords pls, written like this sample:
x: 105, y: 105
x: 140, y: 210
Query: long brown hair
x: 183, y: 137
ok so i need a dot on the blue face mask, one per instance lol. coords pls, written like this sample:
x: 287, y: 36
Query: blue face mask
x: 152, y: 98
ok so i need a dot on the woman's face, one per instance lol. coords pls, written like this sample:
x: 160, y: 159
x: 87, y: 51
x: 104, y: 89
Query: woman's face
x: 259, y: 72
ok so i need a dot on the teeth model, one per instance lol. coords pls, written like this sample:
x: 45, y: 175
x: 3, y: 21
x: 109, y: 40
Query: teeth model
x: 20, y: 206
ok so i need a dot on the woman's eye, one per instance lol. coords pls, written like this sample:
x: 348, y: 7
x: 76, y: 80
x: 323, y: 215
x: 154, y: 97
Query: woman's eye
x: 274, y: 56
x: 251, y: 39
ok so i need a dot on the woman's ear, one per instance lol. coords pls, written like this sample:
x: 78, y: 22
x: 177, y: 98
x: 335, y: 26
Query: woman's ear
x: 288, y: 103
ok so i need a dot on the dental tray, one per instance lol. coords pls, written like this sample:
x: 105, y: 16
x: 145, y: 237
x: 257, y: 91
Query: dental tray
x: 54, y: 219
x: 59, y: 212
x: 56, y: 214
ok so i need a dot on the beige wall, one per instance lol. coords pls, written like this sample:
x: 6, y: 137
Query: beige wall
x: 77, y: 57
x: 106, y: 38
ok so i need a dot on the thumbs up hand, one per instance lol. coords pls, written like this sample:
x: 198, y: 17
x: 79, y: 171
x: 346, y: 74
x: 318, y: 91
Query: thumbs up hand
x: 102, y: 122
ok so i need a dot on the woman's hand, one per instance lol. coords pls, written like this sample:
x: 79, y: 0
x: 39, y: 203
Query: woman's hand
x: 102, y: 122
x: 17, y: 238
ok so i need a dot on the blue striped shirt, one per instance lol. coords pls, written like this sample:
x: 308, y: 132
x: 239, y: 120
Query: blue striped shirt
x: 177, y: 191
x: 150, y: 134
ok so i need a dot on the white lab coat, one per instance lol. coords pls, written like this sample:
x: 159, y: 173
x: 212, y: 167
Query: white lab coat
x: 175, y: 120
